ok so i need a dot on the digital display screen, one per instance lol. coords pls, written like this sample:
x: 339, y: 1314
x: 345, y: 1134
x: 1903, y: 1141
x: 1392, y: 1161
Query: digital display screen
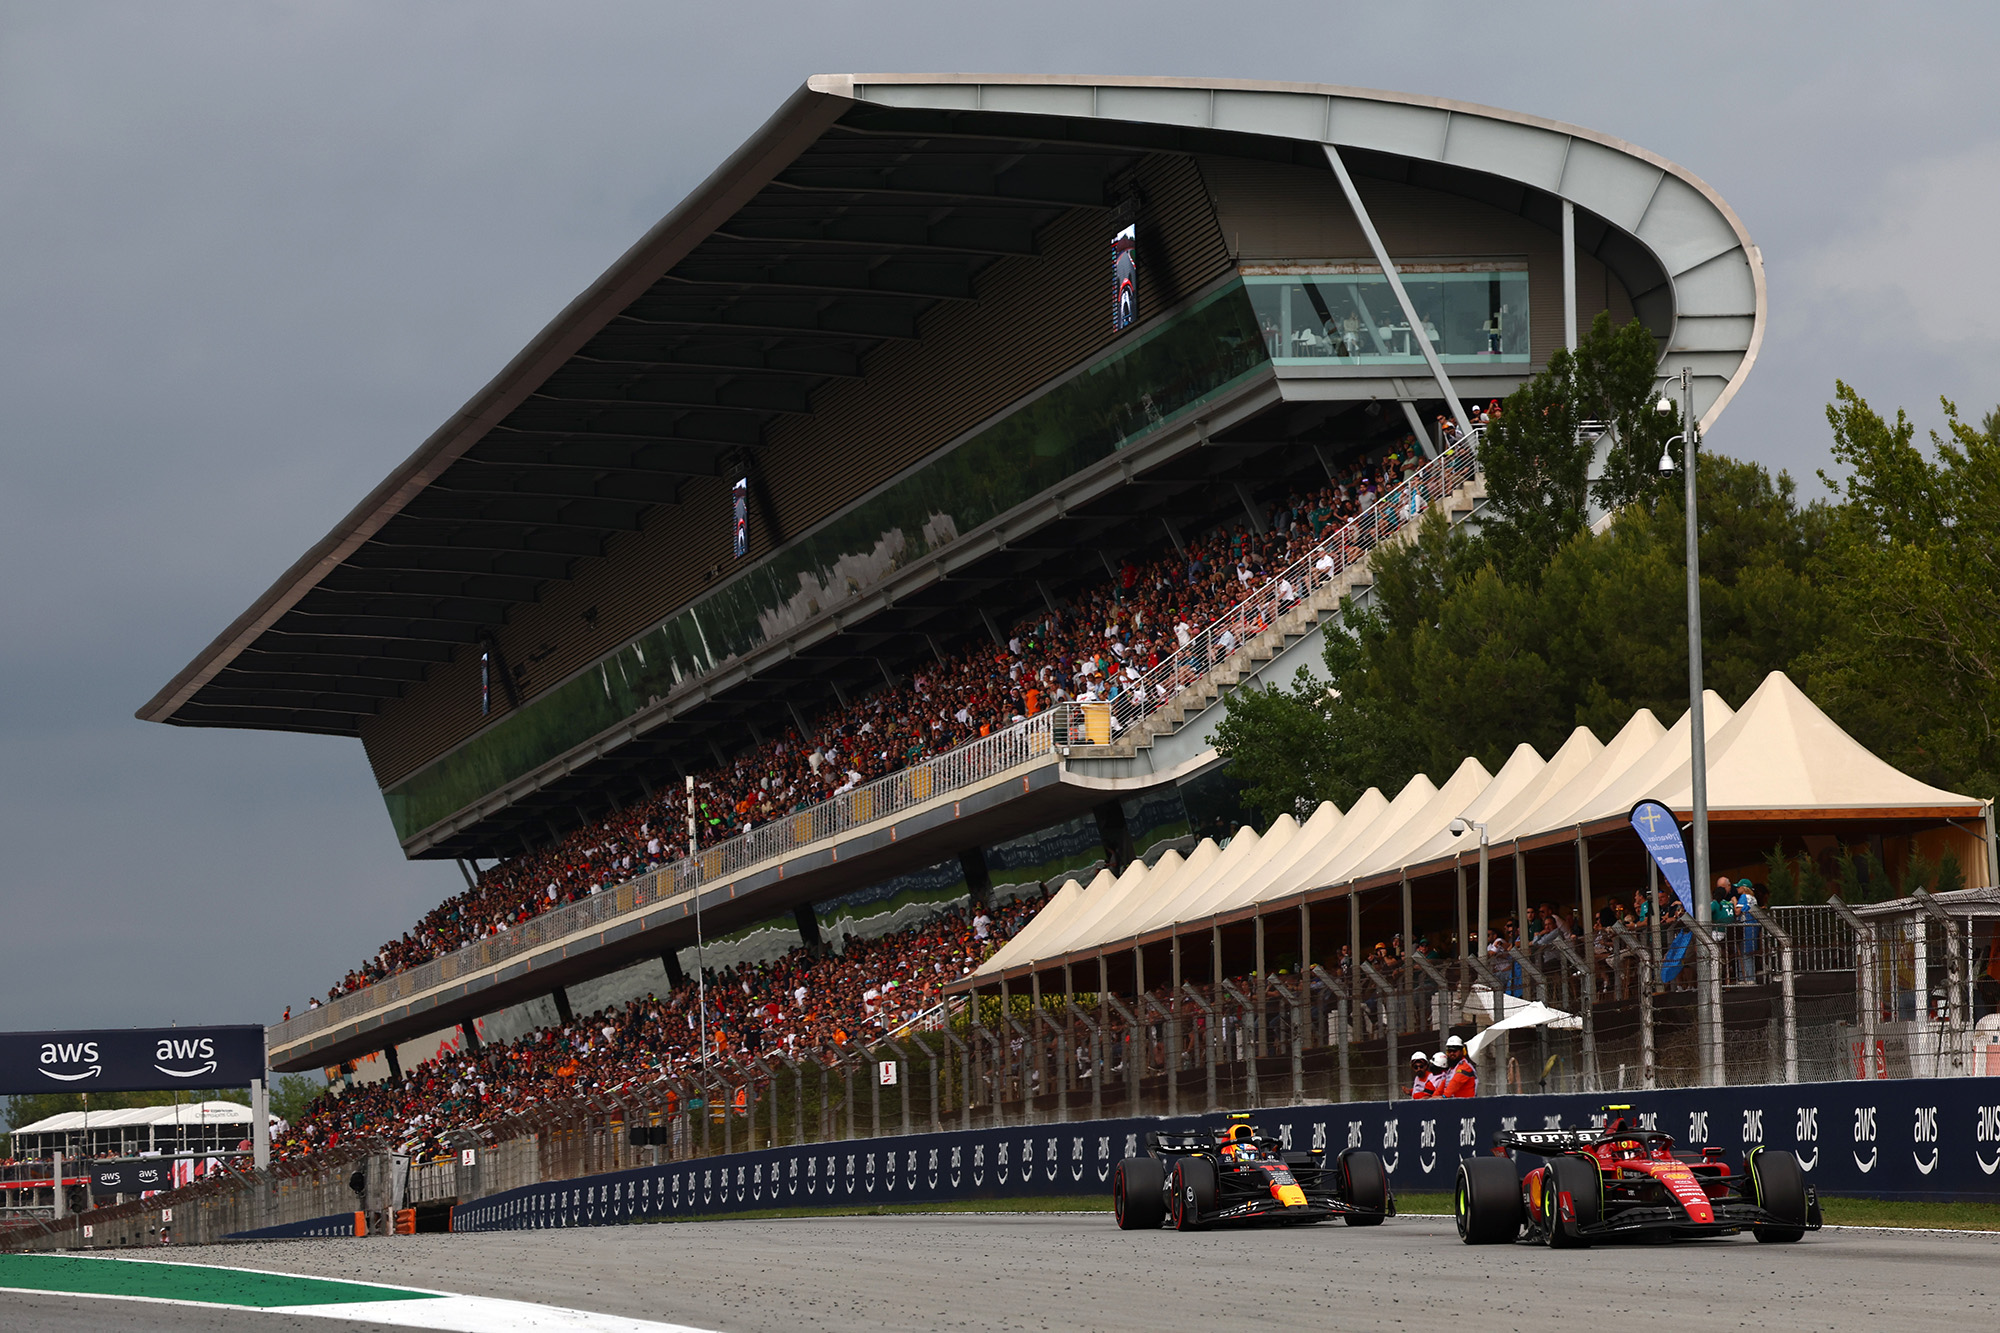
x: 739, y: 495
x: 1124, y: 274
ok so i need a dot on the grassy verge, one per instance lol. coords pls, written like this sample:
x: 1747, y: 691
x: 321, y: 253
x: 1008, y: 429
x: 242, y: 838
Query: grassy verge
x: 1911, y: 1213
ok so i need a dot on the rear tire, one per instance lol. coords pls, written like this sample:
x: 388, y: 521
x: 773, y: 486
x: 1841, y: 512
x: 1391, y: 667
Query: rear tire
x: 1138, y: 1194
x: 1487, y: 1201
x: 1193, y: 1192
x: 1365, y: 1182
x: 1781, y: 1192
x: 1579, y: 1179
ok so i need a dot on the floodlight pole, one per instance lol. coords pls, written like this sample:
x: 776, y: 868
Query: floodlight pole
x: 1707, y: 982
x: 700, y: 966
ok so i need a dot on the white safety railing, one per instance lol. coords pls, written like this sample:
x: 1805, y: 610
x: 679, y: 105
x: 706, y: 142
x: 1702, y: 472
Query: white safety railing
x: 1394, y: 510
x: 968, y: 765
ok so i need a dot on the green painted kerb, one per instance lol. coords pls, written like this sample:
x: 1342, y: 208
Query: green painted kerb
x: 1155, y: 378
x: 184, y: 1282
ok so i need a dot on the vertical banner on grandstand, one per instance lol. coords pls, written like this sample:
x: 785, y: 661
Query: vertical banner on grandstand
x: 1661, y: 832
x: 739, y: 501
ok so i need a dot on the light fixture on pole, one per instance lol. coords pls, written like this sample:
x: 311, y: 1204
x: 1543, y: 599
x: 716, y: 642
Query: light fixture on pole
x: 1458, y: 829
x: 1708, y: 984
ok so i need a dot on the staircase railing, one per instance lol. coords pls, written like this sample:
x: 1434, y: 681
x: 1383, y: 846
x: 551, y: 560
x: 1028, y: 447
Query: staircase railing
x: 1393, y: 510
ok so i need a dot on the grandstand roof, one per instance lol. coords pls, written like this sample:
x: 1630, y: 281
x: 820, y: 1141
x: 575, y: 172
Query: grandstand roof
x: 866, y: 205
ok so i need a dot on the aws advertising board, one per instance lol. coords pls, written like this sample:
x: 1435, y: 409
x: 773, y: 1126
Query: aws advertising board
x: 131, y: 1059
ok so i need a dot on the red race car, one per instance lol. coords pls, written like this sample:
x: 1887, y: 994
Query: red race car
x: 1621, y: 1183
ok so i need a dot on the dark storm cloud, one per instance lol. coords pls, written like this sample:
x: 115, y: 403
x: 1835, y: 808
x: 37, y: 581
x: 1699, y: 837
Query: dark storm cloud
x: 250, y: 255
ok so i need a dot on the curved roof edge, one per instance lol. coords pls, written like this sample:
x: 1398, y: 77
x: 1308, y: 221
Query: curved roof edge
x: 1666, y: 219
x: 1692, y: 249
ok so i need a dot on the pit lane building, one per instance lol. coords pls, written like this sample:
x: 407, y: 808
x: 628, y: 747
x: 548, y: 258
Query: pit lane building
x: 891, y: 317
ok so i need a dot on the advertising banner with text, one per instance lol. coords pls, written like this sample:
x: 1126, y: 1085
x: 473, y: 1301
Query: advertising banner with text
x: 131, y: 1059
x: 1908, y: 1138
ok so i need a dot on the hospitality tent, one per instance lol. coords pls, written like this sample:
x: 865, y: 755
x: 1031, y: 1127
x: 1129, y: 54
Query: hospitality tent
x: 1778, y: 767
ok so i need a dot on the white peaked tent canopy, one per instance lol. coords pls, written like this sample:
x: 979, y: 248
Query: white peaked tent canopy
x: 1777, y: 758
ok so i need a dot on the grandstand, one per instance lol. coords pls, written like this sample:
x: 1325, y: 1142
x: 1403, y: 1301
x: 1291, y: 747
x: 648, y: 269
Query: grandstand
x: 866, y: 408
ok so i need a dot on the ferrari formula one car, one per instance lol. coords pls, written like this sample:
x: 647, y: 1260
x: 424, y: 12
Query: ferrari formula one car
x: 1231, y: 1175
x: 1624, y: 1183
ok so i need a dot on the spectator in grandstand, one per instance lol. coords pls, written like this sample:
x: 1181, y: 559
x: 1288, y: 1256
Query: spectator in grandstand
x: 1100, y: 648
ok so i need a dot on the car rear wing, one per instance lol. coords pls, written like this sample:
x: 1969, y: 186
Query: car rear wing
x: 1556, y: 1142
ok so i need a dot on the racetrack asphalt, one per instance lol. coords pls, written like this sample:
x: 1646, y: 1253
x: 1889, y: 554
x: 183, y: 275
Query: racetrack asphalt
x: 1067, y: 1271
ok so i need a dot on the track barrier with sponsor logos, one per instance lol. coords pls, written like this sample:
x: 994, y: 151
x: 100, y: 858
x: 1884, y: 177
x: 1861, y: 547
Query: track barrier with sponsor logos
x: 1913, y: 1138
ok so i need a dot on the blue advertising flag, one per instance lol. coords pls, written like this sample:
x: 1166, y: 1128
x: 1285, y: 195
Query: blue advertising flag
x: 1661, y: 832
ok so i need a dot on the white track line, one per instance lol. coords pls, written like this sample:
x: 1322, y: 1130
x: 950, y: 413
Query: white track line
x: 446, y: 1311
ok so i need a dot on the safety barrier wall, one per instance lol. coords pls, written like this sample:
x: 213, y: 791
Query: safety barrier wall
x: 1911, y: 1138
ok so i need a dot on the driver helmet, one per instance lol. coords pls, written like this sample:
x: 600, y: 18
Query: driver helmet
x: 1241, y: 1133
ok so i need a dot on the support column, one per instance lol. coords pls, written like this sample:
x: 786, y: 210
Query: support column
x: 978, y: 876
x: 1174, y: 1033
x: 1417, y: 427
x: 676, y: 975
x: 1520, y: 895
x: 808, y: 921
x: 561, y: 997
x: 1417, y: 334
x: 1115, y: 835
x: 395, y: 1065
x: 469, y: 1030
x: 1262, y: 990
x: 260, y: 1125
x: 1569, y: 275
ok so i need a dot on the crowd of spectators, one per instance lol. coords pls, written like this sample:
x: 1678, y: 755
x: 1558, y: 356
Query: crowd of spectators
x: 1099, y: 646
x: 808, y: 1002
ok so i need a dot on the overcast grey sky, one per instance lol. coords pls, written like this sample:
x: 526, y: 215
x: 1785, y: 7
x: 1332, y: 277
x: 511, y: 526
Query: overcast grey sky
x: 252, y: 254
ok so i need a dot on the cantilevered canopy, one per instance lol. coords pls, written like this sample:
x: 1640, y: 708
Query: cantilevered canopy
x: 821, y: 241
x: 866, y: 203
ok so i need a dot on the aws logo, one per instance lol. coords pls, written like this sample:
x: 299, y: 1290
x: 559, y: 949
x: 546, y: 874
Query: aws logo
x: 178, y: 1051
x: 1864, y: 1132
x: 1925, y: 1131
x: 1806, y: 1131
x: 1989, y: 1132
x: 70, y: 1053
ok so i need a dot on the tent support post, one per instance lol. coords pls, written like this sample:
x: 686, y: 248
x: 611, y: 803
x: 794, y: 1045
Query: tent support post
x: 1174, y: 1033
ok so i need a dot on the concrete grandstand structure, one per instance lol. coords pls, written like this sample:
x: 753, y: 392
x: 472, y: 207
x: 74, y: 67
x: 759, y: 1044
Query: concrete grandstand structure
x: 884, y: 328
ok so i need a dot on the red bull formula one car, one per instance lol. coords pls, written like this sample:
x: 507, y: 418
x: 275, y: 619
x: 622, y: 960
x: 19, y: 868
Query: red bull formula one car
x: 1625, y: 1183
x: 1232, y: 1176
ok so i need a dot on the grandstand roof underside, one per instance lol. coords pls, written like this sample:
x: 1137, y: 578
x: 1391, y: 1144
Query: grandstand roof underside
x: 864, y: 210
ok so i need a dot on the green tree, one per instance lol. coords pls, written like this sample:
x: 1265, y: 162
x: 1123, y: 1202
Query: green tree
x: 1454, y: 656
x: 1911, y: 665
x: 1537, y: 455
x: 291, y: 1094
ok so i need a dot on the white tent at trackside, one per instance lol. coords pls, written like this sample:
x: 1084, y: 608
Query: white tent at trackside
x: 1778, y: 756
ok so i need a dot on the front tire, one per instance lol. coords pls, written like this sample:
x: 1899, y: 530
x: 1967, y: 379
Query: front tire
x: 1365, y: 1182
x: 1193, y: 1192
x: 1781, y: 1192
x: 1138, y: 1189
x: 1487, y: 1201
x: 1579, y: 1179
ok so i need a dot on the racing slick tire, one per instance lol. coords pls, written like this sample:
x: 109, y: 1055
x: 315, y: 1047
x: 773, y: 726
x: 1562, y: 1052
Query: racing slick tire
x: 1365, y: 1181
x: 1487, y: 1201
x: 1138, y: 1194
x: 1781, y: 1192
x: 1193, y: 1192
x: 1578, y: 1179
